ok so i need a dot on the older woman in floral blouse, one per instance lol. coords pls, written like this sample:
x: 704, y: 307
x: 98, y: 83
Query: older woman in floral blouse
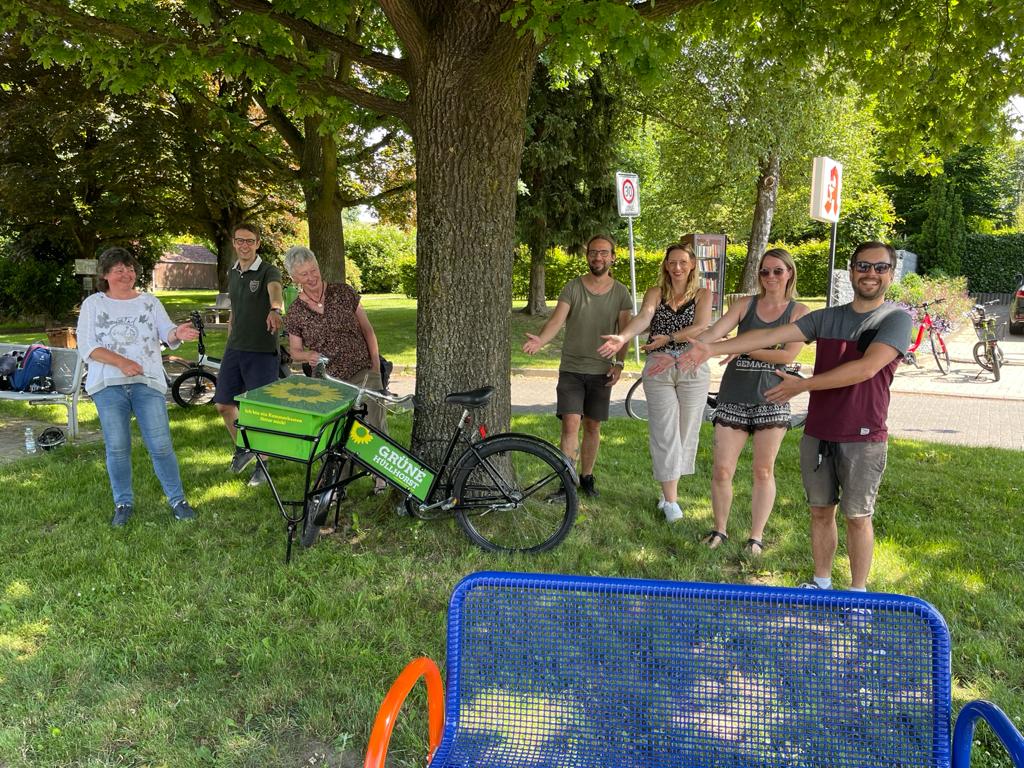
x: 328, y: 320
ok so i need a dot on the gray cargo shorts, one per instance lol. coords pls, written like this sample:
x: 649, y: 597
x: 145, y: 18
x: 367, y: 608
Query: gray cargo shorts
x: 847, y: 474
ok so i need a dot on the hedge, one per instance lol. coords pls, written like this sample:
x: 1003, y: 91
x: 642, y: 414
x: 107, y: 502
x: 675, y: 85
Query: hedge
x: 378, y: 251
x: 990, y: 262
x: 811, y: 259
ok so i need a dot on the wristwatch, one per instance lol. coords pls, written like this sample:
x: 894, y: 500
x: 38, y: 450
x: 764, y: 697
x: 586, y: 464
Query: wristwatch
x: 619, y: 363
x: 276, y: 309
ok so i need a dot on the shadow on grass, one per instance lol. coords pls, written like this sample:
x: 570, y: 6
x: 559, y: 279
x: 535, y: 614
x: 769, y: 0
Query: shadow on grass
x: 195, y: 645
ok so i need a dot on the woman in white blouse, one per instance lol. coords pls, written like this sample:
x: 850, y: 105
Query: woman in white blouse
x: 119, y: 336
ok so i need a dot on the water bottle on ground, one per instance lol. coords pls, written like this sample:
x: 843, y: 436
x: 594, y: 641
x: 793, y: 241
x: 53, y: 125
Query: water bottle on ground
x: 30, y: 440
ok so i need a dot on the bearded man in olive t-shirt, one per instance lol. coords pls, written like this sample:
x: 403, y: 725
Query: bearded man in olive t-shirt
x: 590, y: 306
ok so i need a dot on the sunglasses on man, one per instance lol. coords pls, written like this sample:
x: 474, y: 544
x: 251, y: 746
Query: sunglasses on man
x: 880, y: 267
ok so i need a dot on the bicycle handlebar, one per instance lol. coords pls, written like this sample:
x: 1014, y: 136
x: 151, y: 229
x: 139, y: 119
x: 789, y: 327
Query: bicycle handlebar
x: 927, y: 304
x: 320, y: 372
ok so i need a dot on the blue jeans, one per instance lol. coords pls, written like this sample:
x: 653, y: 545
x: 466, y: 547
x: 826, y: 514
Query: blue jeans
x: 115, y: 405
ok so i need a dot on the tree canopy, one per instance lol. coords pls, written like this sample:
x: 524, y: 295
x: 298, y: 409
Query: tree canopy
x: 456, y: 73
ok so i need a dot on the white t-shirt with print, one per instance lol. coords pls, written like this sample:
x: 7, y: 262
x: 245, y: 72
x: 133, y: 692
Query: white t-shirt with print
x: 133, y: 328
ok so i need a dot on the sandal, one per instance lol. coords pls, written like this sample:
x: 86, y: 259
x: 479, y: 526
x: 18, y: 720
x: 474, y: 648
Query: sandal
x: 749, y: 547
x: 714, y: 539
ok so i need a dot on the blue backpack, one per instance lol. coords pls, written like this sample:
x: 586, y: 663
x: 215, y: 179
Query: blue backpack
x: 36, y: 364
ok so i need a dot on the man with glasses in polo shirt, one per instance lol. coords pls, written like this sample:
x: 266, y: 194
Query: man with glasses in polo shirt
x: 843, y: 450
x: 590, y: 306
x: 250, y: 357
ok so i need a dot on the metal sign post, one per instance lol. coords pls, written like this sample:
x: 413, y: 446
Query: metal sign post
x: 826, y: 197
x: 627, y: 192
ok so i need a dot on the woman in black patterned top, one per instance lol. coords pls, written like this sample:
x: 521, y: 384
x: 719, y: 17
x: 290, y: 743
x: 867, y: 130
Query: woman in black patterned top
x: 676, y: 310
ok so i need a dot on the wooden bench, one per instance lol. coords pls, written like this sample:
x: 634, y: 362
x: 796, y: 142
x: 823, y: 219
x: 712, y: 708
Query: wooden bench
x: 575, y: 671
x: 66, y: 370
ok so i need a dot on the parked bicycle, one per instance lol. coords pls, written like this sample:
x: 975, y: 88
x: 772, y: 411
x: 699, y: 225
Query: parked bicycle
x: 511, y: 492
x: 197, y: 384
x: 636, y: 402
x: 935, y: 340
x: 987, y: 353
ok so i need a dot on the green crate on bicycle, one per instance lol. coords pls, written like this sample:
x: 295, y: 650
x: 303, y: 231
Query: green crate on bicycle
x: 277, y: 417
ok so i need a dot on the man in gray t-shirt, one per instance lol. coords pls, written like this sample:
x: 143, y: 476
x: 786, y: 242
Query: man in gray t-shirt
x: 590, y: 306
x: 843, y: 450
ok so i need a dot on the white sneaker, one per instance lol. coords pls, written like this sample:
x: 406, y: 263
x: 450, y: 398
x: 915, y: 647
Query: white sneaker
x: 673, y: 513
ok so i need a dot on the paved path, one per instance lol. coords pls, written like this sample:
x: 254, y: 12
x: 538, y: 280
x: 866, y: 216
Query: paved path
x: 965, y: 407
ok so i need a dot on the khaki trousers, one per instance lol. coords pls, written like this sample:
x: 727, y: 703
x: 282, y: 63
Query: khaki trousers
x: 675, y: 409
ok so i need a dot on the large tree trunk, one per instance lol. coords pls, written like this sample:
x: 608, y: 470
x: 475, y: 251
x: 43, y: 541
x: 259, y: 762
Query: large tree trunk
x: 536, y: 303
x: 466, y: 202
x: 319, y: 172
x: 220, y: 234
x: 760, y: 229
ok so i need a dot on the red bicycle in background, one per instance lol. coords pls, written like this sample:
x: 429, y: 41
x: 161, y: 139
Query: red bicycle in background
x: 935, y: 341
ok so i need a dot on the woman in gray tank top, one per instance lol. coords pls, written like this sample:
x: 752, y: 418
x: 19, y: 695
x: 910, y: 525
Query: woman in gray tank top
x: 742, y: 409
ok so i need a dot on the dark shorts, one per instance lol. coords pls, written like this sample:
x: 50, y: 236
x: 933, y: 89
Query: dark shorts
x: 241, y: 371
x: 584, y: 393
x: 847, y: 474
x: 752, y: 417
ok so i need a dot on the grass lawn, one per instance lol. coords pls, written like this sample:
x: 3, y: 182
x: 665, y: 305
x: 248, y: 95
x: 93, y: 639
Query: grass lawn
x: 171, y: 644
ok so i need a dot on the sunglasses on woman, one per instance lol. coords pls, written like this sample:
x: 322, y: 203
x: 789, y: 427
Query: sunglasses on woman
x: 880, y: 267
x: 777, y: 271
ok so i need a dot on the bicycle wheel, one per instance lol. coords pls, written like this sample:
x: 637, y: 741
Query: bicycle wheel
x: 996, y: 358
x: 175, y: 366
x: 710, y: 405
x: 514, y: 496
x: 636, y: 401
x: 939, y: 352
x: 981, y: 355
x: 319, y: 505
x: 193, y: 388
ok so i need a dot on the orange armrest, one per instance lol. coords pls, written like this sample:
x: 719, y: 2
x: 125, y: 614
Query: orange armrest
x: 380, y: 736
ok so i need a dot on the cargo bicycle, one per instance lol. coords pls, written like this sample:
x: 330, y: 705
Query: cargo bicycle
x: 509, y: 492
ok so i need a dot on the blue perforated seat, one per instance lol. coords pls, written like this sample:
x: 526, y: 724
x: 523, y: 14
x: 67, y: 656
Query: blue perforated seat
x: 547, y: 671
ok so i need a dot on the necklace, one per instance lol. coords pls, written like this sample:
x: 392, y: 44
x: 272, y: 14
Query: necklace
x: 320, y: 301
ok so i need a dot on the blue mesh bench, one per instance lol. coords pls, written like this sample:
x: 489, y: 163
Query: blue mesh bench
x: 561, y: 671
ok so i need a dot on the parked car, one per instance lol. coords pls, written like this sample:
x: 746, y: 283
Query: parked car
x: 1017, y: 308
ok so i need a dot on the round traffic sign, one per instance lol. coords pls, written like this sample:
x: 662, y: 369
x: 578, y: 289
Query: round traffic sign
x: 628, y: 191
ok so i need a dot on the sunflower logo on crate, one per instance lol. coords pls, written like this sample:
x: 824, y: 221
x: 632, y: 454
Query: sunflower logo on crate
x: 360, y: 434
x: 307, y: 391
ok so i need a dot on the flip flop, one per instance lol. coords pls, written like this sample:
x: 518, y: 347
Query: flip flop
x: 714, y: 539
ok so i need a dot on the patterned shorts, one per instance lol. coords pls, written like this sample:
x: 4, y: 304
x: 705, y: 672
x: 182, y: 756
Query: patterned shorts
x: 752, y: 417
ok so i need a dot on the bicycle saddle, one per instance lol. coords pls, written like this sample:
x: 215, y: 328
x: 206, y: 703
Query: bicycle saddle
x: 475, y: 398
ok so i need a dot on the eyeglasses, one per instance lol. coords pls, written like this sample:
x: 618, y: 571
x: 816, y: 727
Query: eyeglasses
x: 121, y: 271
x: 601, y: 252
x: 777, y: 271
x: 880, y: 267
x: 245, y: 241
